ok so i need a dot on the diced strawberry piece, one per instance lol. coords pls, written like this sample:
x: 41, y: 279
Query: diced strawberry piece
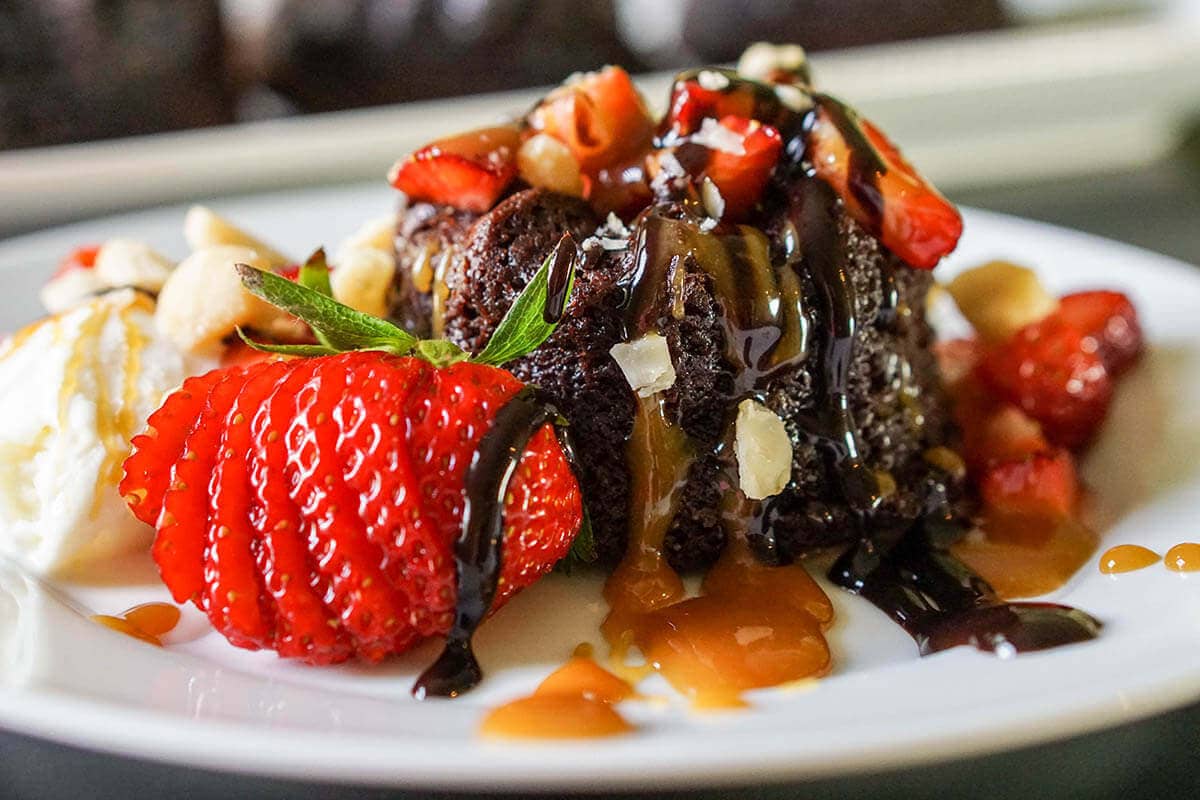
x: 1042, y: 485
x: 79, y: 258
x: 741, y: 177
x: 600, y: 117
x: 469, y: 171
x: 957, y: 360
x: 691, y: 104
x: 903, y: 209
x: 999, y: 433
x: 1054, y: 375
x: 1110, y: 321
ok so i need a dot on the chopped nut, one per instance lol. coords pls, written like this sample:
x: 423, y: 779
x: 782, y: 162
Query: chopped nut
x: 716, y: 136
x: 999, y: 298
x: 714, y: 203
x: 378, y: 233
x: 547, y: 163
x: 646, y: 363
x: 362, y: 279
x: 203, y: 228
x: 125, y: 262
x: 70, y: 288
x: 204, y: 301
x: 763, y: 450
x: 761, y: 60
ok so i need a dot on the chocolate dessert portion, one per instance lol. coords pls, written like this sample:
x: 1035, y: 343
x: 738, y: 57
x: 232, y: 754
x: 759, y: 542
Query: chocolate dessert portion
x: 720, y: 352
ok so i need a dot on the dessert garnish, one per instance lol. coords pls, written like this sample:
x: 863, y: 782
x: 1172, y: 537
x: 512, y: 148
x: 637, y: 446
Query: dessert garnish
x: 1127, y: 558
x: 355, y: 500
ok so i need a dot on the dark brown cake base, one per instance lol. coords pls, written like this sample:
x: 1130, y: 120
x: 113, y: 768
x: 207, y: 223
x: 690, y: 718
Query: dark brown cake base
x: 894, y: 398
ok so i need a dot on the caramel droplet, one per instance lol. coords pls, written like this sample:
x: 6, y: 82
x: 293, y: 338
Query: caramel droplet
x: 146, y: 622
x: 1183, y: 557
x: 573, y: 702
x: 1127, y: 558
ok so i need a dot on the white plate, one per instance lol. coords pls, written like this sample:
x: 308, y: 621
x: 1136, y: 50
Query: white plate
x: 204, y: 703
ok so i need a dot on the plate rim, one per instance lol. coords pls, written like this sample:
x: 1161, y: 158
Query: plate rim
x: 165, y: 737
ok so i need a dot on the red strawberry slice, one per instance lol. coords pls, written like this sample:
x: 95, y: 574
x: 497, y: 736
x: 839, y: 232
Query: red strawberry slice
x: 1109, y: 320
x: 600, y: 117
x: 1052, y: 374
x: 145, y: 481
x: 903, y: 209
x: 304, y: 628
x: 469, y: 171
x: 741, y: 177
x: 369, y: 603
x: 179, y: 548
x: 1042, y: 485
x: 79, y: 258
x: 691, y: 103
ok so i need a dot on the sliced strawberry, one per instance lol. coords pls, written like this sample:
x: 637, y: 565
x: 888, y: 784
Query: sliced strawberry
x: 741, y: 177
x: 179, y: 548
x: 1000, y: 432
x: 1052, y: 374
x: 333, y: 526
x: 880, y: 188
x: 79, y: 258
x: 1041, y: 485
x: 469, y: 171
x: 957, y: 360
x: 1110, y: 321
x: 160, y: 446
x: 237, y: 603
x: 299, y: 588
x: 691, y: 103
x: 600, y: 117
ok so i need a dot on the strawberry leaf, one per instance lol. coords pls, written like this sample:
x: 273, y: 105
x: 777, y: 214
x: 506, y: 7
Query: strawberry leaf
x: 303, y: 350
x: 337, y: 326
x: 534, y: 314
x: 314, y: 273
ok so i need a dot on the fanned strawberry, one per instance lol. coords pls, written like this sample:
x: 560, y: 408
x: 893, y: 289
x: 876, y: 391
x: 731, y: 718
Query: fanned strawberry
x: 469, y: 171
x: 183, y: 521
x: 236, y: 601
x: 290, y: 572
x: 742, y: 176
x: 1109, y: 320
x: 339, y: 482
x: 1052, y: 374
x: 145, y: 482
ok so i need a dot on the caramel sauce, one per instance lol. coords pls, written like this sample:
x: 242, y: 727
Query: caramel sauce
x: 1127, y: 558
x: 575, y: 701
x: 147, y: 622
x: 1023, y: 556
x: 1183, y: 557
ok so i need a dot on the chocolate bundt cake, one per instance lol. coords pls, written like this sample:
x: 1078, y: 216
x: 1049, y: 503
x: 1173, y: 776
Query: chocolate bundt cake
x: 789, y: 302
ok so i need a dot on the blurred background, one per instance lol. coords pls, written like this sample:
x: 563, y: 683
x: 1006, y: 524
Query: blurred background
x: 1084, y: 113
x: 1070, y: 111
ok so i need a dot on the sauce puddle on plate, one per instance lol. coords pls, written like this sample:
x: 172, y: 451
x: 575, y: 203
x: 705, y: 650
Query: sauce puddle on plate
x: 1026, y: 556
x: 148, y: 622
x: 576, y: 701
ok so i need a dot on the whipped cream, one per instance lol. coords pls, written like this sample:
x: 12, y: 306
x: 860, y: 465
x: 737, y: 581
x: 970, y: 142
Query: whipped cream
x: 74, y: 388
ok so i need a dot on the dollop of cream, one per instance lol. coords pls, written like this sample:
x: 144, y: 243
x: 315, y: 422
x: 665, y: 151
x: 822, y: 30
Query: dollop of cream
x: 74, y: 389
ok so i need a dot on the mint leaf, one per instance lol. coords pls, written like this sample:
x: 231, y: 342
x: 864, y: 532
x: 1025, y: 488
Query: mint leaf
x: 534, y: 315
x: 314, y: 273
x: 304, y: 350
x: 338, y: 327
x: 583, y: 548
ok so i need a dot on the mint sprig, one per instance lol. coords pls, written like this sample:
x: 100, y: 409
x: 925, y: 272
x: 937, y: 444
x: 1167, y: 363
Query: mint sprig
x: 339, y: 328
x: 534, y: 314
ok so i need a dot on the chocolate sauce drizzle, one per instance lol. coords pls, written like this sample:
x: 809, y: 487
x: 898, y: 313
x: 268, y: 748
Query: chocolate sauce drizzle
x: 478, y: 552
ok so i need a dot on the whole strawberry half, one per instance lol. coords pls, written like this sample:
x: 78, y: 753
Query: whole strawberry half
x: 321, y: 505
